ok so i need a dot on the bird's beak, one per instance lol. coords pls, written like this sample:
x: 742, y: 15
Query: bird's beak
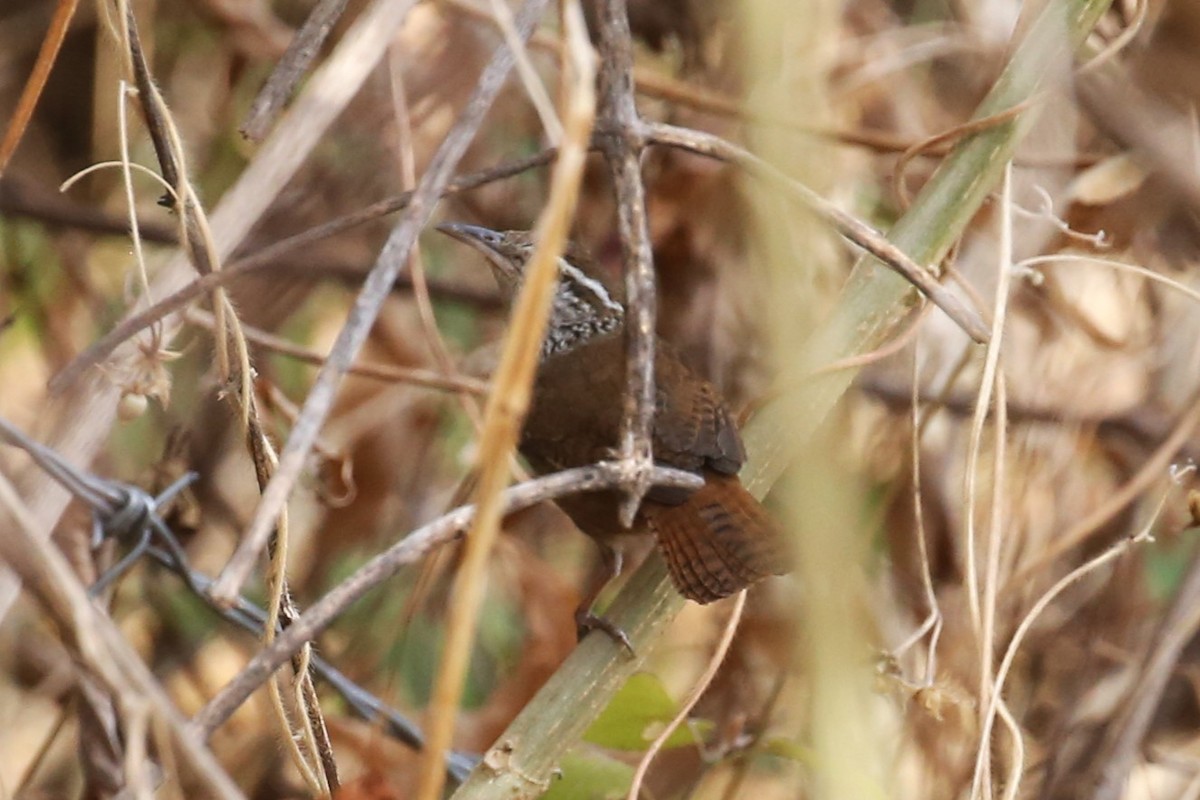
x: 474, y: 235
x: 485, y: 240
x: 478, y: 236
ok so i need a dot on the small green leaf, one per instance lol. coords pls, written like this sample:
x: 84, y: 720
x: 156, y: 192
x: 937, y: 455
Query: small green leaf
x: 590, y: 776
x: 637, y: 714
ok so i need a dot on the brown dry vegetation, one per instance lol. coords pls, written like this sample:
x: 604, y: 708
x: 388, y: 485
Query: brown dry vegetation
x: 1005, y: 608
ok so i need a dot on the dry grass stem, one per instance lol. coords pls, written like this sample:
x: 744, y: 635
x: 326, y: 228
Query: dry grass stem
x: 17, y: 124
x: 530, y: 81
x: 510, y: 395
x: 694, y: 695
x: 1035, y: 611
x: 988, y: 385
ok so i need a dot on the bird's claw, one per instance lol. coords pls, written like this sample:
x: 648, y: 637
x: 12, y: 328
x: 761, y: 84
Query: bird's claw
x: 586, y: 622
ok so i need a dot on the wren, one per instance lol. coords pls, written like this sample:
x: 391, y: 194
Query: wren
x: 716, y: 540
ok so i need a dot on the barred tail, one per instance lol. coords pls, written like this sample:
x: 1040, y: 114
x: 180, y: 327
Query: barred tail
x: 718, y: 541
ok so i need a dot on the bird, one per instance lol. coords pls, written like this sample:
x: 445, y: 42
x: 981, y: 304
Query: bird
x: 716, y: 540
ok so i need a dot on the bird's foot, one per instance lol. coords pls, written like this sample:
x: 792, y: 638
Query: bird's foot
x: 586, y: 622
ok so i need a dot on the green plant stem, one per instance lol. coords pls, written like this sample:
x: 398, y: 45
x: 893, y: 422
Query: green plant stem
x: 875, y: 300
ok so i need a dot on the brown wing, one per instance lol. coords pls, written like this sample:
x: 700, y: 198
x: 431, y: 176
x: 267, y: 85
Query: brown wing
x: 693, y: 429
x: 577, y: 413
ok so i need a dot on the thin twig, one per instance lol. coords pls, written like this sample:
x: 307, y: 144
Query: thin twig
x: 410, y: 549
x: 383, y: 372
x: 291, y: 67
x: 932, y: 624
x: 982, y: 600
x: 281, y: 611
x: 982, y: 406
x: 195, y: 232
x: 21, y: 787
x: 846, y: 224
x: 1035, y: 611
x: 697, y: 691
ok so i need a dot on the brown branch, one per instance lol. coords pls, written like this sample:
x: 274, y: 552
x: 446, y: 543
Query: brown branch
x: 263, y: 457
x: 408, y: 550
x: 24, y: 198
x: 154, y: 113
x: 295, y: 62
x: 850, y: 227
x: 619, y: 133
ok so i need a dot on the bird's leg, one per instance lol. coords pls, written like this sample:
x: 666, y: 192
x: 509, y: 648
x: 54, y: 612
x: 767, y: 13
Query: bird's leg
x: 586, y: 621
